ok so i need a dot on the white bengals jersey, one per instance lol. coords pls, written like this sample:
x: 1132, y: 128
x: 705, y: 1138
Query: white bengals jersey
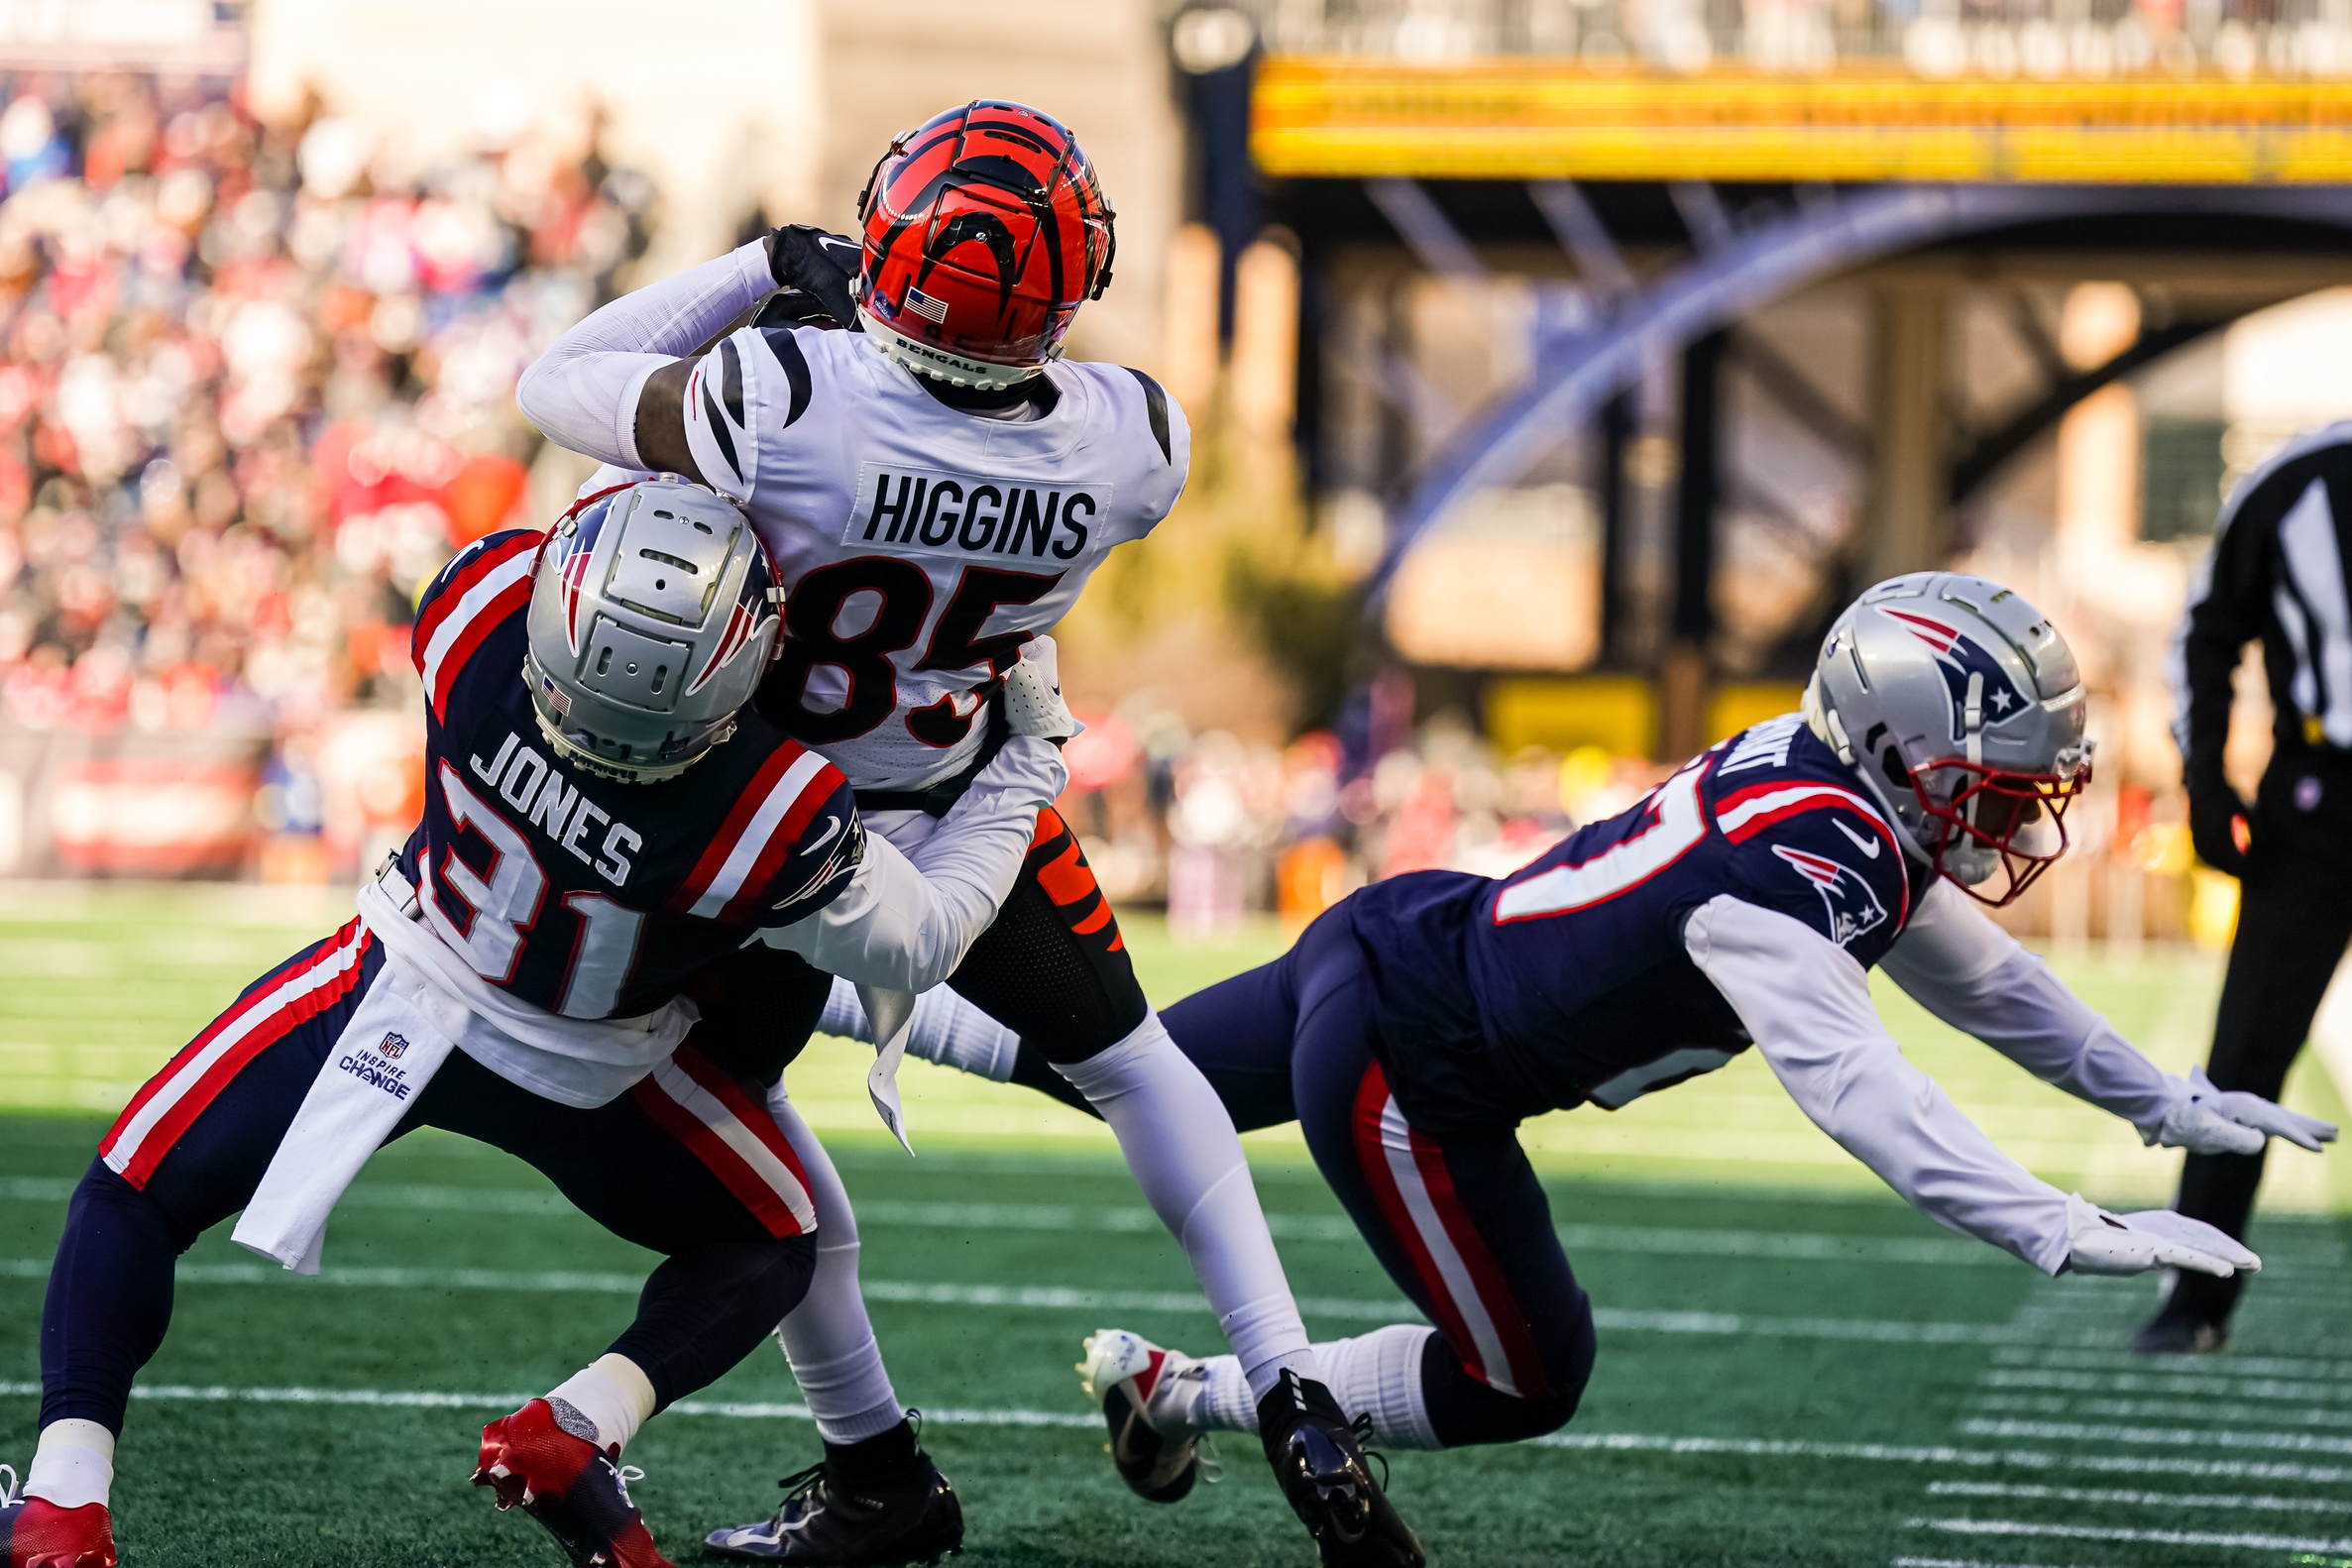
x: 919, y: 545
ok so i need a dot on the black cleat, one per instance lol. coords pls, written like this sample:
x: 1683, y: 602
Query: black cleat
x: 1318, y: 1461
x: 914, y: 1519
x: 2168, y: 1335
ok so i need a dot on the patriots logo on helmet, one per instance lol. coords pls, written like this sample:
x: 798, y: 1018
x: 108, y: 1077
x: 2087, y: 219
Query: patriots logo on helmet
x: 1959, y: 657
x: 1846, y: 898
x: 573, y: 546
x: 751, y: 612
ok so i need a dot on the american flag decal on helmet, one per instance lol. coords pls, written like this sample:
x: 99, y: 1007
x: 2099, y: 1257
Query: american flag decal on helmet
x: 931, y: 310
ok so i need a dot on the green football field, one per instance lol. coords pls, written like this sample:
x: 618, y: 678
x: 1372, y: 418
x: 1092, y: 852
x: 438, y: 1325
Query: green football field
x: 1794, y: 1369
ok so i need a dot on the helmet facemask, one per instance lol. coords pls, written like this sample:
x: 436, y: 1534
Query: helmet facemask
x: 1997, y: 826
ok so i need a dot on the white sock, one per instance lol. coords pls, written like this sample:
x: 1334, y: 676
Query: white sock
x: 828, y: 1338
x: 1186, y: 1156
x: 604, y: 1402
x: 1378, y: 1374
x: 73, y: 1466
x: 947, y: 1030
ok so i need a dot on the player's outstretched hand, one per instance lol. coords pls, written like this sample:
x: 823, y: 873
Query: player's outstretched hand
x: 2207, y: 1121
x: 2105, y: 1243
x: 1033, y: 704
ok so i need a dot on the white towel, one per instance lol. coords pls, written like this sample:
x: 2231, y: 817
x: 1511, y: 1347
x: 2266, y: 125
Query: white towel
x: 892, y: 1014
x: 379, y: 1063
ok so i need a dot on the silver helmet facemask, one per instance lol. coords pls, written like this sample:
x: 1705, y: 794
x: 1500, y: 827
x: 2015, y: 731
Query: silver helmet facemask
x: 652, y: 619
x: 1960, y: 706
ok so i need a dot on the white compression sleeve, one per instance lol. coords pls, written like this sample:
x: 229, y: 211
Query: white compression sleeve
x: 1960, y: 966
x: 583, y: 392
x: 905, y: 920
x: 1181, y: 1144
x: 828, y: 1338
x: 1807, y: 1005
x: 1377, y: 1374
x: 946, y: 1029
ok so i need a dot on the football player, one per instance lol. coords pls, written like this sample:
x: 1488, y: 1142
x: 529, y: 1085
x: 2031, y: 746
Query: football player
x: 605, y: 817
x: 1741, y: 905
x: 937, y: 482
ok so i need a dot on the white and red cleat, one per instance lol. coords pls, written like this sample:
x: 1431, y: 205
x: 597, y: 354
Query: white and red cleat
x: 36, y: 1533
x: 575, y: 1488
x: 1147, y: 1394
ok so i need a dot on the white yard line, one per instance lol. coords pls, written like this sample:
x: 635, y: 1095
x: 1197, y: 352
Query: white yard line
x: 2284, y: 1390
x: 2158, y: 1436
x: 2336, y: 1369
x: 1653, y: 1240
x: 2240, y: 1540
x: 1613, y: 1442
x: 2206, y: 1409
x: 1961, y: 1562
x: 2117, y: 1497
x: 1057, y: 1298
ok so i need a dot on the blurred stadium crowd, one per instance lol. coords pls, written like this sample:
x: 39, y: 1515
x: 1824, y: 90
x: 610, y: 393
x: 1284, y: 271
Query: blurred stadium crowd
x: 258, y: 383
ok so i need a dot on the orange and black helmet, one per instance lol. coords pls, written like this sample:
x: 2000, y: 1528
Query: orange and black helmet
x: 985, y: 230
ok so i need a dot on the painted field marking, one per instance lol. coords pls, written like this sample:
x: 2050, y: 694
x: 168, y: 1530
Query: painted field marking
x: 2158, y: 1436
x: 2287, y: 1390
x: 2156, y: 1410
x: 1059, y: 1297
x: 2144, y: 1499
x: 1616, y: 1442
x: 2332, y: 1368
x: 2240, y: 1540
x: 1135, y: 1220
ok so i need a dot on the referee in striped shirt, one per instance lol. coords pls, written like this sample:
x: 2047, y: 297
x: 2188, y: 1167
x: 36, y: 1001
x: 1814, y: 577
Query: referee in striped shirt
x: 2277, y: 575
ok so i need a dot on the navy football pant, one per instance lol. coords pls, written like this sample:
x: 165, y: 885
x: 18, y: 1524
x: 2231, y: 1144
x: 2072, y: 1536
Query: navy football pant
x: 655, y: 1167
x: 1459, y: 1222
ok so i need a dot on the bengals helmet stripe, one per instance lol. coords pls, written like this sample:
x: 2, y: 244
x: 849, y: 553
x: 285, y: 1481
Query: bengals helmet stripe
x: 985, y: 230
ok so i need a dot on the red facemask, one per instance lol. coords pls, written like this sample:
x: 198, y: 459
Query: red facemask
x: 2019, y: 818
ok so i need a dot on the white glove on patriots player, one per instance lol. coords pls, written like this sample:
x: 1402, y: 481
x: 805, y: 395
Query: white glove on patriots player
x: 2104, y: 1243
x: 1033, y: 704
x: 2205, y: 1120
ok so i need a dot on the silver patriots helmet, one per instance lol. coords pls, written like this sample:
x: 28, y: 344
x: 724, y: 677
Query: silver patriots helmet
x: 652, y: 618
x: 1959, y: 705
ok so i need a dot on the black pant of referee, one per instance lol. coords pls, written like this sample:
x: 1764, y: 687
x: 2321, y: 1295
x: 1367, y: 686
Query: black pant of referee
x: 2295, y: 918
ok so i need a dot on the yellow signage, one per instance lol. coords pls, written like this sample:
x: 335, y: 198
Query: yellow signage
x: 1530, y: 119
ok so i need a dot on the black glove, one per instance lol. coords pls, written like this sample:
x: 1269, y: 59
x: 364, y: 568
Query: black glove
x: 820, y: 265
x: 2216, y: 819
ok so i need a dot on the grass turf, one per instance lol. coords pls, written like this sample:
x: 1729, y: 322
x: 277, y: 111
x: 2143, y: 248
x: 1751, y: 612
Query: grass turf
x: 1794, y: 1367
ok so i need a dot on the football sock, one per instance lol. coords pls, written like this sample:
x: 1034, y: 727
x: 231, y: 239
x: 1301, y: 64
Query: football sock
x: 604, y: 1402
x: 947, y: 1030
x: 1186, y: 1156
x: 874, y: 1461
x: 1377, y: 1374
x: 1380, y: 1374
x: 73, y: 1466
x: 828, y: 1338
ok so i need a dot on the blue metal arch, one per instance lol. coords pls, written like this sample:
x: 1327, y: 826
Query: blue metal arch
x: 1576, y: 372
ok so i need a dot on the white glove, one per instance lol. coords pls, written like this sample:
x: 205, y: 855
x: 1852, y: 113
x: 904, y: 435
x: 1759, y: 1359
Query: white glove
x: 2104, y: 1243
x: 2207, y: 1121
x: 1033, y: 704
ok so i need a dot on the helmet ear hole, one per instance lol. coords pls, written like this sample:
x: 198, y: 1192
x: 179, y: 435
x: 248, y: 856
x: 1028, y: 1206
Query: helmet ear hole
x: 1890, y: 762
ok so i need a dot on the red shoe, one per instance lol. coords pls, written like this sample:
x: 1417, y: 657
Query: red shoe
x: 567, y: 1484
x: 36, y: 1533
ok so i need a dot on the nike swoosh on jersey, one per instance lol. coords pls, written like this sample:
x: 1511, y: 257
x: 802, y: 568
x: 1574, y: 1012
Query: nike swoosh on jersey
x: 832, y: 824
x: 1867, y: 842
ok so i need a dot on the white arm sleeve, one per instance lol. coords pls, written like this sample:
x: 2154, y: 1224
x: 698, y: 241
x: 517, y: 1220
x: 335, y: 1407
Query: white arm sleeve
x: 904, y: 923
x: 1807, y: 1004
x: 1973, y: 975
x: 583, y: 392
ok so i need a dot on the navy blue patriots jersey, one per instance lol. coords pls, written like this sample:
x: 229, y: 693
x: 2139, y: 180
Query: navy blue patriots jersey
x: 1568, y: 982
x: 586, y: 896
